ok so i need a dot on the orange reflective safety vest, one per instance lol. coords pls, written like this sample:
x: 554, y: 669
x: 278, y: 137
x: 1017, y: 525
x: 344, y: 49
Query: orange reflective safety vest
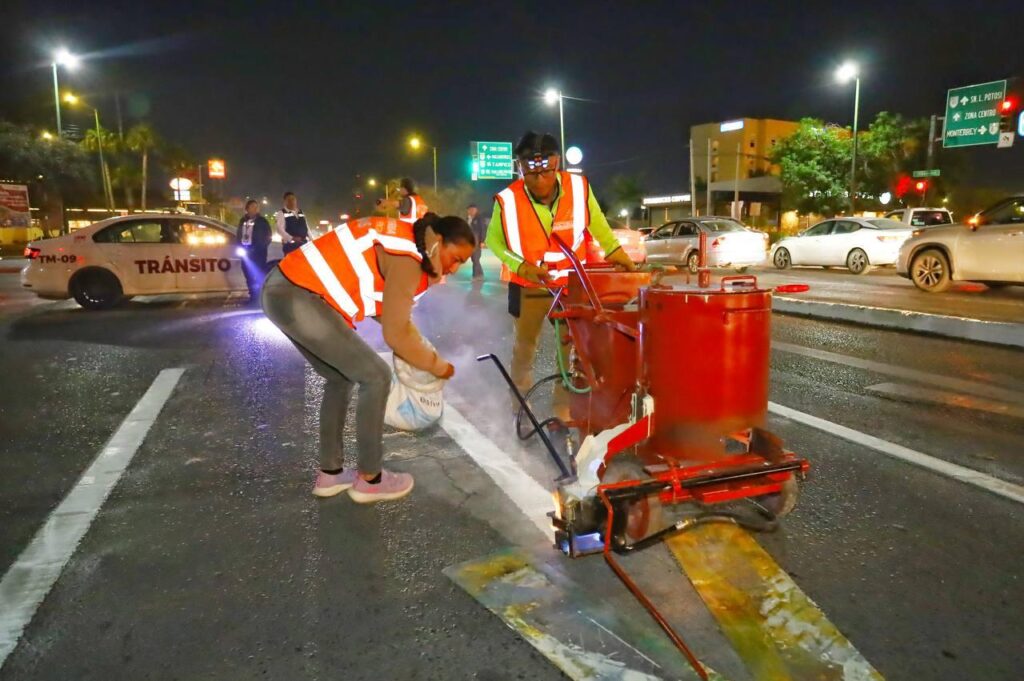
x: 341, y: 266
x: 525, y: 235
x: 417, y: 209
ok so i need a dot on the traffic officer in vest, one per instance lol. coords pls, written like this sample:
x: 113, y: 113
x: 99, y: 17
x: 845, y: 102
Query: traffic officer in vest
x: 291, y: 224
x: 410, y: 205
x: 544, y: 201
x: 371, y: 267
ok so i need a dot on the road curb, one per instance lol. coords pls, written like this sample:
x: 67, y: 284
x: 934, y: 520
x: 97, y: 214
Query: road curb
x: 964, y: 328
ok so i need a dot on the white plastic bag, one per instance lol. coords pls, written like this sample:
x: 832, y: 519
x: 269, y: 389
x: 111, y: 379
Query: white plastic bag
x: 415, y: 401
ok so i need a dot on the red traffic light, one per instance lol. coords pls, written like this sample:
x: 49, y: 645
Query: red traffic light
x: 921, y: 186
x: 1008, y: 105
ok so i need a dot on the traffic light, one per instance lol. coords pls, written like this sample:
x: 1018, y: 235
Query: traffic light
x: 921, y: 186
x: 1006, y: 111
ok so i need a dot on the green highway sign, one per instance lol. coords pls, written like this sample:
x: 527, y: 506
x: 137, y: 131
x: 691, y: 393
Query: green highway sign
x: 491, y: 160
x: 972, y: 114
x: 935, y: 172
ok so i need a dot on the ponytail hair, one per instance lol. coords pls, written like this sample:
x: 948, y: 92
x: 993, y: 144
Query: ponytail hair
x: 451, y: 229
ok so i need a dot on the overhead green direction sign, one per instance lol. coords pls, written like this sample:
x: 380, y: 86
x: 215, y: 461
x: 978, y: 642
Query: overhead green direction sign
x: 491, y: 160
x: 972, y: 114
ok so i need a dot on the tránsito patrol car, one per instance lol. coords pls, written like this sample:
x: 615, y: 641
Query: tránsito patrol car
x: 138, y: 255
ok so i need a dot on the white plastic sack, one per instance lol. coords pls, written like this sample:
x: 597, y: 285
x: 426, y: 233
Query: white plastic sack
x: 415, y: 401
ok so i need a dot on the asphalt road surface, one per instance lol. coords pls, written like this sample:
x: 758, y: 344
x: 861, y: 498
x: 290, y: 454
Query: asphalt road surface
x: 211, y: 560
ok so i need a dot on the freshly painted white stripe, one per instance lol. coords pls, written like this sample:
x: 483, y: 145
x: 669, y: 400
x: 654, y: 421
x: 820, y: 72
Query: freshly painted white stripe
x: 357, y: 258
x: 525, y: 492
x: 949, y: 382
x: 579, y: 210
x: 962, y: 474
x: 323, y: 271
x: 509, y: 210
x: 916, y: 393
x: 34, y: 573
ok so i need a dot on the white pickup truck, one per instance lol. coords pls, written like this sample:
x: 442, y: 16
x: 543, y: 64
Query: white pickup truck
x: 921, y: 217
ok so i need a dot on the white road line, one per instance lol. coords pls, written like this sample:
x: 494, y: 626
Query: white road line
x: 962, y: 474
x: 525, y: 492
x: 948, y: 382
x: 34, y: 573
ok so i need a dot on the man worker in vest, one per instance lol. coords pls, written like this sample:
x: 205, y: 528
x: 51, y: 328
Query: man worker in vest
x: 411, y: 206
x: 291, y: 225
x: 543, y: 202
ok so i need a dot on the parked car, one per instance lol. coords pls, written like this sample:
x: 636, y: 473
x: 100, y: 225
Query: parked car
x: 140, y: 254
x: 730, y: 243
x: 854, y: 243
x: 921, y: 217
x: 631, y: 240
x: 989, y: 249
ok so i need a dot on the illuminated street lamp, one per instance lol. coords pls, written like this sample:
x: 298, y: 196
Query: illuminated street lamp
x: 69, y: 61
x: 371, y: 182
x: 844, y: 74
x: 552, y: 97
x: 47, y: 135
x: 415, y: 143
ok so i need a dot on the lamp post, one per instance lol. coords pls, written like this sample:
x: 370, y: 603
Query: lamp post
x: 108, y: 190
x: 415, y: 143
x: 552, y: 97
x: 68, y: 61
x: 844, y: 74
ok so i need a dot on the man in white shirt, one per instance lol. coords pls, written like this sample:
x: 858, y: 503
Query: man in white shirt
x: 291, y: 225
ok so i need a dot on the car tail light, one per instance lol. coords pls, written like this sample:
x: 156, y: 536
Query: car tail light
x: 32, y: 253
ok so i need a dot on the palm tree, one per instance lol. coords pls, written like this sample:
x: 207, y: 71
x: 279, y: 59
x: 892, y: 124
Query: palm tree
x: 102, y: 140
x: 141, y: 138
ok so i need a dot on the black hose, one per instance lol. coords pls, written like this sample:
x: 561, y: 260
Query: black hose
x: 544, y: 423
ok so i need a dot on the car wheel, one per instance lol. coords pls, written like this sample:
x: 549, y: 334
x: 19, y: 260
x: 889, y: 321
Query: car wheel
x: 96, y: 289
x: 857, y: 261
x: 782, y: 259
x: 930, y: 271
x: 693, y: 262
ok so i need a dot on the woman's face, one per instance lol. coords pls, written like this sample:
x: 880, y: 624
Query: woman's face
x: 453, y: 254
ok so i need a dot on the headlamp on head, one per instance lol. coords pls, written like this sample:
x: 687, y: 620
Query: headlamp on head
x: 535, y: 163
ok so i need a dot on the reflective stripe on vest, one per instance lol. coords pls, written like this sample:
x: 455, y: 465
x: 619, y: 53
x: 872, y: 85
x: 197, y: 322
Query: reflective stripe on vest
x: 417, y: 209
x: 342, y: 267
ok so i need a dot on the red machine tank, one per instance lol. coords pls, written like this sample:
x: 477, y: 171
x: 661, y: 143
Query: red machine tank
x: 705, y: 361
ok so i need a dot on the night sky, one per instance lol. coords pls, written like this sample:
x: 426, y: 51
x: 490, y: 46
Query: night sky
x: 307, y: 96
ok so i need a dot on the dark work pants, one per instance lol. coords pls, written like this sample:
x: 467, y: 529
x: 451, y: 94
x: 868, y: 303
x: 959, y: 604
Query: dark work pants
x: 344, y: 359
x: 478, y: 271
x: 254, y: 265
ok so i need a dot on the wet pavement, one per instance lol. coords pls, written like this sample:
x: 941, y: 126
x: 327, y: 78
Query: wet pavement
x: 211, y: 560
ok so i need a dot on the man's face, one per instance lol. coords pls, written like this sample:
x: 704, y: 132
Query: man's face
x: 541, y: 180
x: 471, y: 212
x: 252, y: 209
x: 291, y: 203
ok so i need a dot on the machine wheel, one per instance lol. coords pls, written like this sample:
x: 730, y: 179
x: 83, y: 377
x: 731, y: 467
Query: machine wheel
x: 930, y: 271
x: 693, y: 262
x: 782, y: 259
x: 644, y: 516
x: 785, y: 501
x: 96, y: 289
x: 857, y: 262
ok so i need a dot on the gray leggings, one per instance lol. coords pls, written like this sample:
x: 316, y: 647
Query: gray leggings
x: 339, y: 355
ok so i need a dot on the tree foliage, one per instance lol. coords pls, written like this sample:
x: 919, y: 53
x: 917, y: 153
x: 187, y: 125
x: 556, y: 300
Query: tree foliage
x: 815, y: 163
x: 24, y: 157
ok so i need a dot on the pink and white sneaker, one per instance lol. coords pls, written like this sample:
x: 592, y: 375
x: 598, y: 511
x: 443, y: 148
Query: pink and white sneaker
x: 391, y: 486
x: 328, y: 485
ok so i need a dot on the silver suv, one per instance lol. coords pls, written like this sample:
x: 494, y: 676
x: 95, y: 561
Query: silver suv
x: 989, y: 249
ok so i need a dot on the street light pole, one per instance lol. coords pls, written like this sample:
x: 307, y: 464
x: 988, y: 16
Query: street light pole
x: 561, y: 122
x: 435, y: 170
x: 853, y: 160
x: 104, y: 176
x: 56, y: 100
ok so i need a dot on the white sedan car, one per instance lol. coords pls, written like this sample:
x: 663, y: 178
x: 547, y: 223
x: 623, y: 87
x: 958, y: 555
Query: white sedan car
x: 134, y: 255
x: 854, y: 243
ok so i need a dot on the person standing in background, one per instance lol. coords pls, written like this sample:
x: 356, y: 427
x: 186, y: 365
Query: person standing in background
x: 254, y: 237
x: 291, y: 224
x: 479, y: 227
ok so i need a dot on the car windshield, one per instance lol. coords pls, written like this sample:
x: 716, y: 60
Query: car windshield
x: 883, y: 223
x: 723, y: 226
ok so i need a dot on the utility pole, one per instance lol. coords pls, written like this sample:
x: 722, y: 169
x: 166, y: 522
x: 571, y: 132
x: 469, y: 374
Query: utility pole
x: 736, y: 184
x: 199, y: 189
x: 707, y: 190
x: 931, y: 158
x: 853, y: 162
x: 693, y: 184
